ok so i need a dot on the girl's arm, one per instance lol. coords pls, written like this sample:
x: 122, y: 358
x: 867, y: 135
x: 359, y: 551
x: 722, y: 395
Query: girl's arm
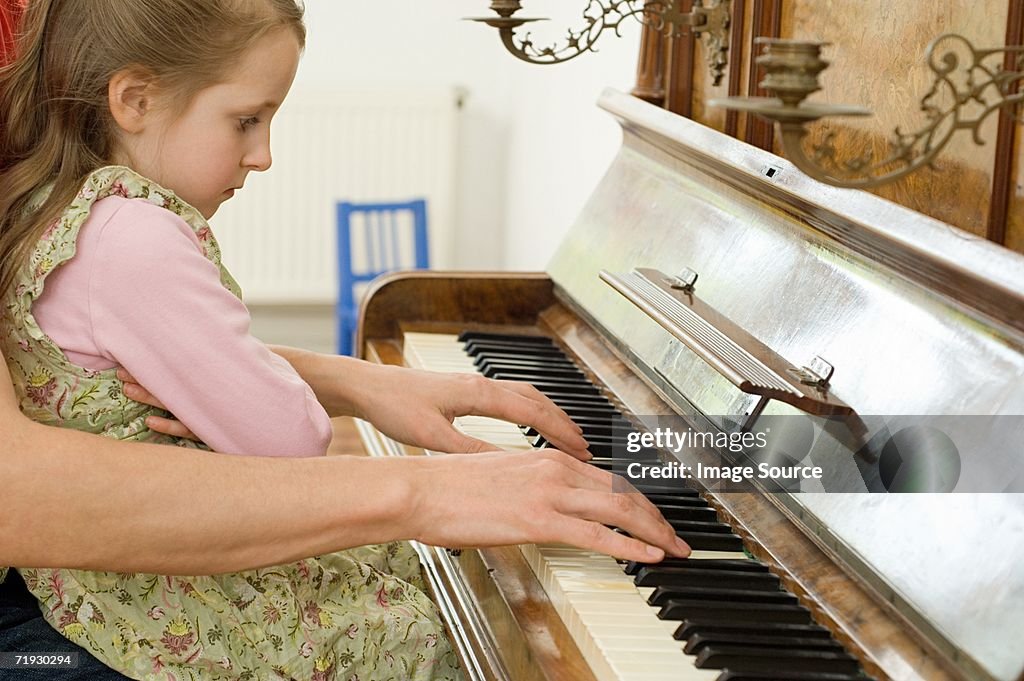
x: 83, y: 501
x: 417, y: 407
x: 140, y: 293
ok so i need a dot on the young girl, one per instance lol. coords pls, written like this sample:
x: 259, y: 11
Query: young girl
x: 123, y: 127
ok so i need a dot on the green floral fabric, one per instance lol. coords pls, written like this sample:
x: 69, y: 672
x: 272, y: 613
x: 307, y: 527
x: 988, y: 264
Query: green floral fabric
x: 360, y: 614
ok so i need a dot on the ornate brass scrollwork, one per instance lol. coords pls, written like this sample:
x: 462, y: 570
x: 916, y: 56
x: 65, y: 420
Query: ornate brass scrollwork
x: 709, y: 18
x: 968, y: 86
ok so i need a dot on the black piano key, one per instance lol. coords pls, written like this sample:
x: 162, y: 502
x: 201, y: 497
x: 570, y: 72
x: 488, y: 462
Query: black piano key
x: 613, y: 433
x: 692, y: 526
x: 683, y: 608
x: 698, y: 642
x: 591, y: 406
x: 615, y: 423
x: 467, y: 336
x: 516, y: 360
x: 595, y: 448
x: 707, y: 541
x: 616, y: 441
x: 739, y: 658
x: 535, y: 367
x: 515, y: 374
x: 680, y: 495
x: 663, y: 594
x: 487, y: 366
x: 735, y: 675
x: 553, y: 388
x: 484, y: 363
x: 693, y: 626
x: 655, y: 575
x: 632, y: 567
x: 688, y: 513
x: 651, y: 486
x: 518, y: 344
x: 474, y: 348
x: 689, y: 502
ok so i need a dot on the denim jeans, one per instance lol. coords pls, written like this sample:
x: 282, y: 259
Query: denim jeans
x: 23, y: 630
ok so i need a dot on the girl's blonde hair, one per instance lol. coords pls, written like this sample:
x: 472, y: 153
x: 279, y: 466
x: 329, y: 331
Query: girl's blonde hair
x: 55, y: 122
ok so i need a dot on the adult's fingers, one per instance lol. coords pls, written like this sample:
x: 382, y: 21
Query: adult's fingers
x: 522, y: 403
x: 593, y: 536
x: 135, y: 391
x: 604, y: 481
x: 626, y: 512
x: 171, y: 427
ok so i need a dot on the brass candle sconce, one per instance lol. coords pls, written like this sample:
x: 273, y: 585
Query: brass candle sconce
x: 709, y: 18
x: 965, y: 91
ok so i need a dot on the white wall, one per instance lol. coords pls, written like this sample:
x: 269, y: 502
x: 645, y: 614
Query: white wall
x: 533, y: 144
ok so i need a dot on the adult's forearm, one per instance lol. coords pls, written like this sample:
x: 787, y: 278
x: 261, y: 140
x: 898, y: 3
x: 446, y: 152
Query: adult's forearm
x: 76, y: 500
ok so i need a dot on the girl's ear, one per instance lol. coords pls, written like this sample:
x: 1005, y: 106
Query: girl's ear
x: 130, y: 95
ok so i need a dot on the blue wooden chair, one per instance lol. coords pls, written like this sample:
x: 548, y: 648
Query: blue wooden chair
x: 375, y: 238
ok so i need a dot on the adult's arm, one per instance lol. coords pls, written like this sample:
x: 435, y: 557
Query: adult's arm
x: 83, y: 501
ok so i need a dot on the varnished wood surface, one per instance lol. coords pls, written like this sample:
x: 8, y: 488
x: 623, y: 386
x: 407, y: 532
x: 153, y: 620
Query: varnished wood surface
x: 1005, y: 141
x: 681, y: 63
x: 432, y: 296
x: 766, y: 21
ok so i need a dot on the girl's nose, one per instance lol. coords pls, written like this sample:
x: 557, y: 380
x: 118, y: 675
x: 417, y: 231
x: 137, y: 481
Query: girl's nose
x: 259, y: 157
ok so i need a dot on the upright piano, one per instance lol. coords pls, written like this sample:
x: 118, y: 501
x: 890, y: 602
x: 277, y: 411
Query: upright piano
x: 710, y: 283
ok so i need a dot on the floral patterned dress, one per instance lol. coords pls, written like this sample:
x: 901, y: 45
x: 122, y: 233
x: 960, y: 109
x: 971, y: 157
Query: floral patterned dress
x: 356, y: 614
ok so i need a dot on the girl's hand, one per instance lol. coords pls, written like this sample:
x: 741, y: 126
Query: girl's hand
x: 417, y: 407
x: 172, y: 427
x: 544, y: 496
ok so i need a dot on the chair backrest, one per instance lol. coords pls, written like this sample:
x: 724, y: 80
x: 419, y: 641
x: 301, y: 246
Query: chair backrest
x: 374, y: 238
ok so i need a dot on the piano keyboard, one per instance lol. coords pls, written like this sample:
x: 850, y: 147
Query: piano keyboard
x: 718, y: 615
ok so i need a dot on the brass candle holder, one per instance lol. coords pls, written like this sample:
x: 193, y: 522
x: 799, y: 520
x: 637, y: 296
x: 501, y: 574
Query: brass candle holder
x: 964, y: 93
x: 709, y: 19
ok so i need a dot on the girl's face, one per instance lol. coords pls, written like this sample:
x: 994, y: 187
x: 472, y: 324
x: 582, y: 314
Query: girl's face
x: 205, y: 153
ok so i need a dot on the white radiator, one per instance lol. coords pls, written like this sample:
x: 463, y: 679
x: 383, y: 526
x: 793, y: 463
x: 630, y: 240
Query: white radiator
x: 278, y: 234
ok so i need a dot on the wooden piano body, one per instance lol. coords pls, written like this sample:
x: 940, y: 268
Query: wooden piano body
x: 916, y: 317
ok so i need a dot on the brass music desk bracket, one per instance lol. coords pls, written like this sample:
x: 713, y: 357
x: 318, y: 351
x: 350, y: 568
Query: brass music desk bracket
x: 708, y: 18
x: 965, y: 91
x: 737, y: 355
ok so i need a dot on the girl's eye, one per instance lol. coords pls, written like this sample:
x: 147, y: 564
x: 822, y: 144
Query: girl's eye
x: 246, y: 123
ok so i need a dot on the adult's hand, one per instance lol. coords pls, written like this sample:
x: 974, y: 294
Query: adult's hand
x: 167, y: 426
x: 542, y: 496
x: 418, y: 407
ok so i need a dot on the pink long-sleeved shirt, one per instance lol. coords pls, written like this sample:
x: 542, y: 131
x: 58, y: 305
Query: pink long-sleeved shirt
x: 140, y: 294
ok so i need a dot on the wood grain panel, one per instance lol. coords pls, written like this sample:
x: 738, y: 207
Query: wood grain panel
x: 679, y: 75
x: 704, y: 88
x: 1014, y: 238
x: 997, y: 217
x: 878, y: 61
x: 1013, y: 228
x: 765, y: 21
